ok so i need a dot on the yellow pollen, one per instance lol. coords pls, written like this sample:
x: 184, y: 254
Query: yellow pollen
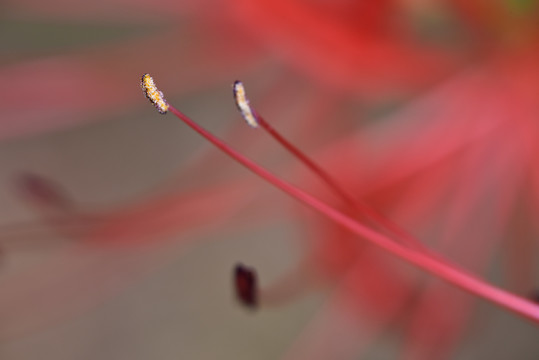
x: 153, y: 94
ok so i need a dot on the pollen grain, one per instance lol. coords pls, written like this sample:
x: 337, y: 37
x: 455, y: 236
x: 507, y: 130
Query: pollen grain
x: 153, y: 94
x: 243, y: 104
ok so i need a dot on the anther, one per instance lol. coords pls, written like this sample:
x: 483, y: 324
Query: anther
x: 245, y: 283
x: 43, y: 192
x: 153, y: 94
x: 243, y: 104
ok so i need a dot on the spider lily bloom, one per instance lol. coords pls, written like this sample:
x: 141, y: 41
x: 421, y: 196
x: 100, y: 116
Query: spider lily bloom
x: 429, y: 166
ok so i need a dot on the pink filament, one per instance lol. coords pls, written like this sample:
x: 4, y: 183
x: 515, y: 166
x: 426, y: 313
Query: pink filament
x: 449, y: 273
x: 357, y: 205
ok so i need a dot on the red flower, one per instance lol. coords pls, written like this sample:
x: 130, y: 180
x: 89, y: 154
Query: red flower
x: 449, y: 165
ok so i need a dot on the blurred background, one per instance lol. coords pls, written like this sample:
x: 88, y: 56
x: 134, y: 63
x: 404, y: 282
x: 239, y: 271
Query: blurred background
x: 120, y: 228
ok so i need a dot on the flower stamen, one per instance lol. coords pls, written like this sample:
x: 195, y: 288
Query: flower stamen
x: 427, y: 261
x: 153, y: 94
x: 357, y: 205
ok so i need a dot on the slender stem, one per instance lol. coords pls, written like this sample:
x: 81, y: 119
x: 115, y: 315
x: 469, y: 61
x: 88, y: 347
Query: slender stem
x: 315, y: 168
x: 451, y: 274
x: 356, y: 204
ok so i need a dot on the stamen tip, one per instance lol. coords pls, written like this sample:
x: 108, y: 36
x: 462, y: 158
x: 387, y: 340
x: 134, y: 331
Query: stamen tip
x: 246, y: 286
x: 153, y: 94
x: 243, y: 104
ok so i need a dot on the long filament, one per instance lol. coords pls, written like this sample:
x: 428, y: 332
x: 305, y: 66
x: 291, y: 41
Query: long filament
x: 431, y: 264
x: 358, y: 205
x: 252, y: 116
